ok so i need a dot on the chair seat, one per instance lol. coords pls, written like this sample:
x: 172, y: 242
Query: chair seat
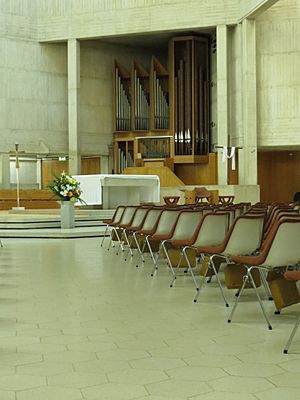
x: 211, y: 249
x: 248, y: 260
x: 292, y: 275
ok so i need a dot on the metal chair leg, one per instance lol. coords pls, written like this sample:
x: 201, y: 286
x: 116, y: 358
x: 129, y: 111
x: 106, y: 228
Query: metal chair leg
x: 245, y: 280
x: 218, y: 280
x: 168, y: 258
x: 104, y: 236
x: 259, y: 299
x: 287, y: 346
x: 140, y: 253
x: 265, y: 284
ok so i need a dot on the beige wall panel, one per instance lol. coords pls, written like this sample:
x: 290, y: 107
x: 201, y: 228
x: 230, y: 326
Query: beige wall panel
x: 131, y: 16
x: 253, y: 8
x: 278, y: 78
x: 235, y: 87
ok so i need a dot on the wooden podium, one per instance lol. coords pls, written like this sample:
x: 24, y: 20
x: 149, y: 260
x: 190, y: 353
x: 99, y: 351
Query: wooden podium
x: 191, y: 196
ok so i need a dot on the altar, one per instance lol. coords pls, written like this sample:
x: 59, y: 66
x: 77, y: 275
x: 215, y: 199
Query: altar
x: 111, y: 190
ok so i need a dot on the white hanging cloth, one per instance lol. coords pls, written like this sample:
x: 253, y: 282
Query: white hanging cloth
x: 226, y: 156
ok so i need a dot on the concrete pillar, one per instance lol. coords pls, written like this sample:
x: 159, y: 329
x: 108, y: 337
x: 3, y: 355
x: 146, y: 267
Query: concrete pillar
x: 248, y: 155
x: 222, y: 99
x: 74, y: 105
x: 5, y: 171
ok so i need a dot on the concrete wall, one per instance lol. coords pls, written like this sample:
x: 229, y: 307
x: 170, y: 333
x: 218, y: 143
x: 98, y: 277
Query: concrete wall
x: 33, y: 95
x: 235, y: 86
x: 278, y: 78
x: 80, y: 18
x: 97, y: 74
x: 250, y: 8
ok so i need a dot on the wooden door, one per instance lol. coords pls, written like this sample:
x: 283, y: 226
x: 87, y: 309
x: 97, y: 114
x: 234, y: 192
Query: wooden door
x: 278, y: 175
x: 51, y: 168
x: 90, y: 165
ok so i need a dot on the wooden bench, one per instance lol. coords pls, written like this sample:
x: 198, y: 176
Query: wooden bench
x: 31, y: 198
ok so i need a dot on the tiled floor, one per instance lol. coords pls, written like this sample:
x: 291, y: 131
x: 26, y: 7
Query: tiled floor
x: 77, y: 322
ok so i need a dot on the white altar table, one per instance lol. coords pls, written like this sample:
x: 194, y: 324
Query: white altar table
x: 113, y: 190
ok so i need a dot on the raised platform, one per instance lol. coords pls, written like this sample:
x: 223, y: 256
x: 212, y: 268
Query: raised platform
x: 46, y: 224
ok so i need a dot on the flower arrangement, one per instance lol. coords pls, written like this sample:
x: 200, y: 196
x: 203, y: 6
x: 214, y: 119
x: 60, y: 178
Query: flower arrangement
x: 66, y: 188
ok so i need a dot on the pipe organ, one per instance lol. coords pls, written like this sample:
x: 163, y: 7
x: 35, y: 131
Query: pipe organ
x: 171, y: 104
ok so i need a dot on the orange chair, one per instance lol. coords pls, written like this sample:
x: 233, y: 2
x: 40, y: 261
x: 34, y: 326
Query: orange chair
x: 292, y: 276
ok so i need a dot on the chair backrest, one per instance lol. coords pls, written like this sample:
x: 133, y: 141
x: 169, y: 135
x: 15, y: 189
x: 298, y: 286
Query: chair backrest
x: 127, y: 215
x: 151, y: 219
x: 278, y: 214
x: 245, y: 235
x: 186, y: 224
x: 118, y: 214
x: 283, y: 248
x: 139, y: 217
x: 166, y: 221
x: 212, y: 229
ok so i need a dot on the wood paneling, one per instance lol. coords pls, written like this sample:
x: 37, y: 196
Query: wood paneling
x: 28, y: 199
x: 51, y: 168
x: 90, y: 165
x: 278, y: 175
x: 199, y: 174
x: 166, y: 176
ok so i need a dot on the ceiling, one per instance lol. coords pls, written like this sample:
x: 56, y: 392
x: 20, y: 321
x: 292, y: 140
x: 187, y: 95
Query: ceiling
x: 158, y: 40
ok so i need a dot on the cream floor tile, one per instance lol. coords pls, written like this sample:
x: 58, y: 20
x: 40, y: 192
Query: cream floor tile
x: 113, y: 319
x: 7, y: 395
x: 114, y: 391
x: 179, y: 388
x: 20, y: 358
x: 77, y: 380
x: 266, y: 357
x: 156, y: 363
x: 123, y: 354
x: 83, y: 331
x: 6, y: 370
x: 50, y: 393
x: 39, y: 332
x: 279, y: 394
x: 202, y: 374
x: 69, y: 356
x: 137, y: 376
x: 21, y: 382
x: 140, y: 344
x: 8, y: 333
x: 44, y: 368
x: 92, y: 347
x: 225, y: 350
x: 153, y: 397
x: 291, y: 366
x: 288, y: 379
x: 225, y: 396
x: 42, y: 348
x: 101, y: 366
x: 239, y: 384
x: 64, y: 339
x: 112, y: 337
x: 254, y: 370
x: 212, y: 360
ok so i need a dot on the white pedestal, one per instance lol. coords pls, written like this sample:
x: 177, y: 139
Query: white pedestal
x: 67, y: 214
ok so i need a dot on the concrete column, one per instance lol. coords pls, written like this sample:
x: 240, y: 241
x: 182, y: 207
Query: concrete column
x: 74, y: 105
x: 248, y: 155
x: 5, y: 171
x: 222, y: 99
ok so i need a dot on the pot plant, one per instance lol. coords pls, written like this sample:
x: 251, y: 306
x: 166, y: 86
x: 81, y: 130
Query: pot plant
x: 67, y: 189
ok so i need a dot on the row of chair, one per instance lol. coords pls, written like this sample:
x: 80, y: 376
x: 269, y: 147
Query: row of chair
x: 261, y: 237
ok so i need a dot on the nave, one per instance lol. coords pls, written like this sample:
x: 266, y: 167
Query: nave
x: 78, y: 322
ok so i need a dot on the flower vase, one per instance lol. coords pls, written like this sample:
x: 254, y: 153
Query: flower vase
x: 67, y: 214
